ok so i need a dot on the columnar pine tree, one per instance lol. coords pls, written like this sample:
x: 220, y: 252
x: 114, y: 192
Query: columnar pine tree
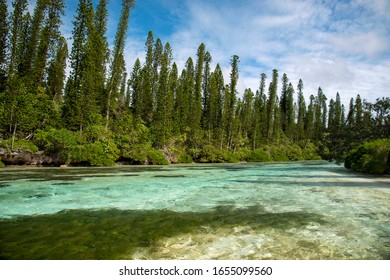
x: 49, y: 37
x: 17, y: 26
x: 358, y: 112
x: 263, y: 109
x: 56, y: 72
x: 181, y: 105
x: 301, y: 112
x: 157, y: 59
x: 189, y: 88
x: 272, y: 95
x: 170, y: 100
x: 147, y: 82
x: 80, y: 108
x: 247, y: 114
x: 351, y: 115
x: 101, y: 57
x: 320, y: 114
x: 331, y: 115
x: 277, y: 129
x: 161, y: 123
x: 338, y: 122
x: 216, y: 104
x: 256, y: 120
x: 283, y: 102
x: 16, y: 99
x: 310, y: 124
x: 3, y: 40
x: 290, y: 112
x: 196, y: 101
x: 117, y: 67
x: 230, y: 101
x: 30, y: 53
x: 136, y: 89
x: 206, y: 119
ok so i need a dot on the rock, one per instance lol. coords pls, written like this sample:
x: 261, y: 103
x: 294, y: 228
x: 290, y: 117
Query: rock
x: 63, y: 166
x: 27, y: 158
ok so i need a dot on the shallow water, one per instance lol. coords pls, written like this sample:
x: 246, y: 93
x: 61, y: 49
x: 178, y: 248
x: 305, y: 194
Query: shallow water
x: 304, y: 210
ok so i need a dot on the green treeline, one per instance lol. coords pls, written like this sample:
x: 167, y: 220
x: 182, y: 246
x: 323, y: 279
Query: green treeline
x: 98, y: 114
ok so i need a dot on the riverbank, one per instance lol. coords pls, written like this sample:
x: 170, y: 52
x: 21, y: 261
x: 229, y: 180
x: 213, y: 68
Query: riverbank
x: 27, y: 154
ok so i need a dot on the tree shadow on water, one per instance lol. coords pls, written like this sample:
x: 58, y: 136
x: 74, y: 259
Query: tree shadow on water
x: 116, y: 234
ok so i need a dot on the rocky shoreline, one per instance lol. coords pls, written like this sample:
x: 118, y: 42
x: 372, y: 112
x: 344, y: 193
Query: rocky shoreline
x: 26, y: 158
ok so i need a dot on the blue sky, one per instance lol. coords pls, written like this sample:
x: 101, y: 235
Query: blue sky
x: 342, y: 46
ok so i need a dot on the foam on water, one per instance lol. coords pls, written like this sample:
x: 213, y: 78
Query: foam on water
x: 306, y: 210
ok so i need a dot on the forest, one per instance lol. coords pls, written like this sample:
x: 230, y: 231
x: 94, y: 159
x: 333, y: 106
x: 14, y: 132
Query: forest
x: 95, y: 113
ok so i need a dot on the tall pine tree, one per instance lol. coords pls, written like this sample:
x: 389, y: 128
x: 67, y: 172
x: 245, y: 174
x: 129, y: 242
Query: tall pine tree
x: 271, y: 106
x: 196, y: 100
x: 117, y: 67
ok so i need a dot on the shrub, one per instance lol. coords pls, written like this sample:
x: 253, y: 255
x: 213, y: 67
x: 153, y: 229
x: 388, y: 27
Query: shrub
x: 96, y: 154
x: 278, y: 154
x: 156, y: 157
x: 58, y: 142
x: 310, y: 152
x: 19, y: 145
x: 211, y: 154
x: 243, y: 154
x: 194, y: 153
x: 371, y: 157
x: 1, y: 164
x: 259, y: 156
x: 294, y: 152
x: 97, y: 133
x: 136, y: 153
x: 72, y: 147
x: 185, y: 158
x: 229, y: 157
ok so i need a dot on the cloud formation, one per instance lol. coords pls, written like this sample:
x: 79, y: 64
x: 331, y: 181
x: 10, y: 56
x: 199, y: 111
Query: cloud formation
x: 340, y: 46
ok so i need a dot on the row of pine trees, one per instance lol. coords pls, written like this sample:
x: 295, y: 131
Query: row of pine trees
x: 196, y: 105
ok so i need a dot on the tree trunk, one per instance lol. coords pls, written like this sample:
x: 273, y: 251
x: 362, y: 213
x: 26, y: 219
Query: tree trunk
x: 13, y: 137
x: 108, y: 108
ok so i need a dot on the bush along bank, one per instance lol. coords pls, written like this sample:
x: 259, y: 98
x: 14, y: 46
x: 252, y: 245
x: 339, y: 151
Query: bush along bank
x: 371, y: 157
x: 96, y: 147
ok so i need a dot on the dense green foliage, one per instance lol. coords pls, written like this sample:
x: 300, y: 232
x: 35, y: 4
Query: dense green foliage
x: 99, y: 115
x: 371, y: 157
x: 18, y: 145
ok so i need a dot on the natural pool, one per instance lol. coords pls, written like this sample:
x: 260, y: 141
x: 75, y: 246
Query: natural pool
x: 303, y: 210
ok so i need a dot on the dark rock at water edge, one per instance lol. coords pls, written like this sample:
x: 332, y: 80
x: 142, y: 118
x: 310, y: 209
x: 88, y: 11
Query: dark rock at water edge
x: 28, y: 158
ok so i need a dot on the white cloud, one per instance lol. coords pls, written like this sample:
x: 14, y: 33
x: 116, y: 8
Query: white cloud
x: 368, y: 44
x: 339, y: 47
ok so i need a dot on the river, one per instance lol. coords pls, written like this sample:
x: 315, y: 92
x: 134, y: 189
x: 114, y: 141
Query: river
x: 299, y: 210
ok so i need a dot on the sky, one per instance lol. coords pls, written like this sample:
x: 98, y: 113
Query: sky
x: 340, y: 46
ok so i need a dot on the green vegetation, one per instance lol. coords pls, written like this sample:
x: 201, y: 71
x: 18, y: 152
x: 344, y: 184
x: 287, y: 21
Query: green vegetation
x: 371, y: 157
x: 18, y: 145
x: 156, y: 157
x: 99, y: 115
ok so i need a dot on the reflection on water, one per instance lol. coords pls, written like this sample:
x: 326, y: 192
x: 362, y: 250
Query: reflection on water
x: 244, y: 211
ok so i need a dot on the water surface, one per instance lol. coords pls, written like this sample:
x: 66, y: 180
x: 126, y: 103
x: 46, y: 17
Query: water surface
x: 304, y: 210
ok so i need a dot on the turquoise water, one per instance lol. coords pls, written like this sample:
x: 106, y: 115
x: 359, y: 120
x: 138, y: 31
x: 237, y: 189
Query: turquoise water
x: 304, y: 210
